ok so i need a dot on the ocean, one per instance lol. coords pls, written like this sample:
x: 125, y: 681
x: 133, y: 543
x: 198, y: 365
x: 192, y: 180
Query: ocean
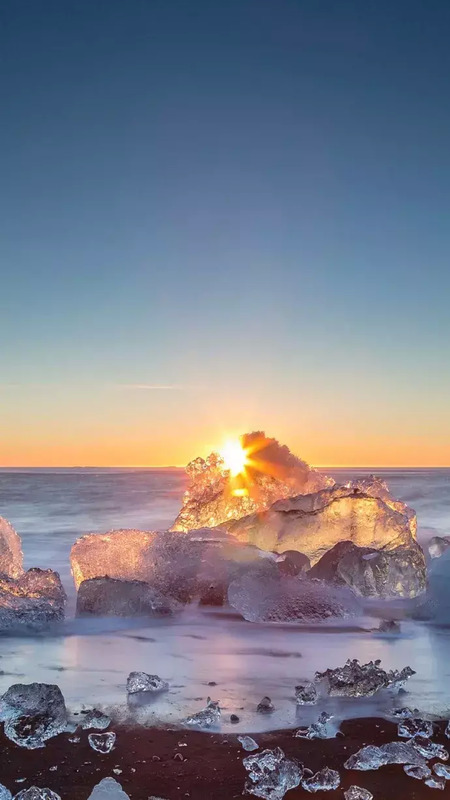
x: 90, y: 659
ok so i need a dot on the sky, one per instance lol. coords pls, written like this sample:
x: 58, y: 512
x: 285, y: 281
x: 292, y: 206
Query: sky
x: 218, y: 217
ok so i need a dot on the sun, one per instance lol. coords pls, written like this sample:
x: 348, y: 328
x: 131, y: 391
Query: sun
x: 234, y: 456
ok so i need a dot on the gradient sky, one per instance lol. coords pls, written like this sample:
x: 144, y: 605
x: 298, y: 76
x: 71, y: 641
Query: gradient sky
x: 224, y: 215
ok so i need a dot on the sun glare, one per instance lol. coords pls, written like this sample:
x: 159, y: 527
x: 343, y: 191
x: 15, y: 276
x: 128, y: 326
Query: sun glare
x: 234, y: 456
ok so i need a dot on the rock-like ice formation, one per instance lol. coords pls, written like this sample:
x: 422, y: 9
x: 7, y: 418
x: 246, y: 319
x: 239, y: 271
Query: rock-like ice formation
x: 389, y: 572
x: 419, y: 773
x: 361, y: 680
x: 247, y: 743
x: 142, y: 682
x: 357, y: 793
x: 208, y: 717
x: 102, y: 742
x: 415, y: 726
x: 314, y: 523
x: 305, y: 694
x: 272, y: 472
x: 34, y: 793
x: 323, y: 781
x: 11, y: 556
x: 96, y: 720
x: 271, y: 774
x: 276, y: 598
x: 33, y: 600
x: 373, y: 757
x: 33, y: 713
x: 113, y: 597
x: 108, y: 789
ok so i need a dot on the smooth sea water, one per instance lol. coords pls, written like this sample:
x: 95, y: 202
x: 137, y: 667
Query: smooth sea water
x: 91, y: 658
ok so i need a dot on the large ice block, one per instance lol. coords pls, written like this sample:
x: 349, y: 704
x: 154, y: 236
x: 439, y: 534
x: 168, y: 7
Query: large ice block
x: 11, y: 556
x: 33, y: 713
x: 33, y: 600
x: 111, y: 597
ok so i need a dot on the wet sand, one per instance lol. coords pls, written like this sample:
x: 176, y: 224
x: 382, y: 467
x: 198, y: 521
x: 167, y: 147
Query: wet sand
x: 211, y: 769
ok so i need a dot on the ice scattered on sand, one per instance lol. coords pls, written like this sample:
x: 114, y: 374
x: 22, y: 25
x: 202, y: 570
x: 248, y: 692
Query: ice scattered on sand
x: 102, y: 742
x: 142, y: 682
x: 357, y: 793
x: 443, y: 770
x: 415, y: 727
x: 108, y: 789
x: 95, y: 719
x: 323, y: 781
x: 34, y: 793
x: 361, y: 680
x: 247, y: 743
x: 33, y: 713
x: 419, y: 773
x: 306, y: 694
x: 428, y: 749
x: 206, y: 718
x: 271, y: 774
x: 373, y: 757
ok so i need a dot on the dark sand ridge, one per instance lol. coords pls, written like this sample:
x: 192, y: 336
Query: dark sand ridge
x: 212, y: 763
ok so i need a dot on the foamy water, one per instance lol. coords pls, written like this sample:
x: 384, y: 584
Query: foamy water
x: 91, y: 658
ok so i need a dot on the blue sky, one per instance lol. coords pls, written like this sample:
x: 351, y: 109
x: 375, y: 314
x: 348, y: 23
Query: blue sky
x: 246, y: 201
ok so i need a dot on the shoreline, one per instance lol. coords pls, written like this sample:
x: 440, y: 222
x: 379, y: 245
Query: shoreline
x: 170, y: 764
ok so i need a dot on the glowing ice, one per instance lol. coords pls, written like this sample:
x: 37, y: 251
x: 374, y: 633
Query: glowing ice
x: 206, y: 718
x: 142, y: 682
x: 102, y: 742
x: 33, y: 713
x: 323, y: 781
x: 317, y: 730
x: 33, y: 600
x: 108, y: 789
x: 11, y: 556
x: 272, y: 472
x: 271, y: 774
x: 361, y: 680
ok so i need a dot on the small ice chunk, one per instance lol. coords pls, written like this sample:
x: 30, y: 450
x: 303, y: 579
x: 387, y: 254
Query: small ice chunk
x: 317, y: 730
x: 102, y: 742
x: 207, y: 717
x: 323, y: 781
x: 373, y: 757
x: 389, y: 626
x: 435, y: 782
x: 108, y: 789
x: 357, y: 793
x: 404, y: 713
x: 95, y: 719
x: 5, y: 794
x: 247, y: 743
x: 415, y: 727
x: 33, y: 713
x: 143, y: 682
x: 306, y: 694
x: 428, y: 749
x: 442, y: 770
x: 34, y: 793
x: 361, y: 680
x: 265, y: 706
x: 417, y: 772
x: 271, y: 774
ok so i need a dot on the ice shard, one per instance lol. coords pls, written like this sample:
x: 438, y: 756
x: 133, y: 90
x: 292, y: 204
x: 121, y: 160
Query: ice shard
x: 361, y: 680
x: 11, y: 556
x: 34, y: 600
x: 271, y: 774
x: 373, y: 757
x: 33, y: 713
x: 208, y: 717
x: 142, y: 682
x: 271, y: 472
x: 102, y: 742
x: 34, y: 793
x: 96, y: 720
x: 108, y: 789
x: 314, y: 523
x: 247, y: 743
x: 357, y: 793
x: 323, y: 781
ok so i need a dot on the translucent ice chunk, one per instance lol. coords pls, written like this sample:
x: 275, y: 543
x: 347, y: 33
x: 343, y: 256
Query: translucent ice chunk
x: 142, y: 682
x: 443, y: 770
x: 5, y: 794
x: 357, y: 793
x: 33, y: 600
x: 122, y: 598
x: 102, y: 742
x: 404, y: 712
x: 265, y: 706
x: 415, y: 727
x: 11, y: 556
x: 33, y: 713
x: 373, y: 757
x: 34, y: 793
x: 108, y: 789
x: 247, y: 743
x: 435, y: 782
x: 361, y: 680
x: 95, y: 719
x: 419, y: 773
x: 389, y: 626
x: 317, y: 730
x: 306, y: 694
x: 428, y: 749
x: 271, y: 774
x: 207, y: 717
x: 324, y: 780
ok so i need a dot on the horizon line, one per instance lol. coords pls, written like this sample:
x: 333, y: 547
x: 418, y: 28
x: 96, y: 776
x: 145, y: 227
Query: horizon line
x: 183, y: 466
